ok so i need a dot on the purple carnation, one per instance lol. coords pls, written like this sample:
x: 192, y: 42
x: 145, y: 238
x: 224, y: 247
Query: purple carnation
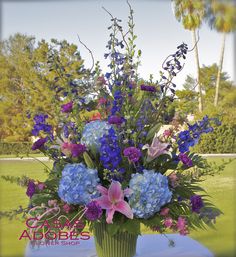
x: 30, y: 189
x: 185, y: 159
x: 39, y: 143
x: 114, y: 119
x: 94, y: 211
x: 67, y: 107
x: 148, y: 88
x: 196, y: 203
x: 77, y: 149
x: 132, y: 153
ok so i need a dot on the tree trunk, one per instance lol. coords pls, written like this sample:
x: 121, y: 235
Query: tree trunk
x: 200, y: 104
x: 219, y: 70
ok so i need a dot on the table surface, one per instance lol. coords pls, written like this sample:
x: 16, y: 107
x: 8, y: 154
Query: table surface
x: 147, y: 246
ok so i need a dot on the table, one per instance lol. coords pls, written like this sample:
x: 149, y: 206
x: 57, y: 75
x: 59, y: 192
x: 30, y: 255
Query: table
x: 147, y: 246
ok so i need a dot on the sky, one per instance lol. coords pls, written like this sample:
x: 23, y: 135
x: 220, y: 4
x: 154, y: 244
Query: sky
x: 155, y: 25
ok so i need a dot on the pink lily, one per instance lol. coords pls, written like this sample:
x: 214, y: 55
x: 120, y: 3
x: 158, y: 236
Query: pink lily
x: 156, y: 149
x: 112, y: 200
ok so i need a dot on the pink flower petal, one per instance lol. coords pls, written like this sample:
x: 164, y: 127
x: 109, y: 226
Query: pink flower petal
x: 155, y: 142
x: 110, y: 214
x: 153, y: 152
x: 128, y: 191
x: 102, y: 190
x: 104, y: 202
x: 115, y: 193
x: 124, y: 208
x: 164, y: 211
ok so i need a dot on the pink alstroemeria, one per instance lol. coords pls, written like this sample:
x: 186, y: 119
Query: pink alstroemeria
x: 168, y: 222
x: 112, y: 200
x: 164, y: 211
x: 156, y: 149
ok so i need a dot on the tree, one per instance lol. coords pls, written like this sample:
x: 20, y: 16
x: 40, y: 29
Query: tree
x: 191, y: 13
x: 16, y: 69
x: 186, y: 102
x: 33, y: 80
x: 221, y: 17
x: 227, y: 95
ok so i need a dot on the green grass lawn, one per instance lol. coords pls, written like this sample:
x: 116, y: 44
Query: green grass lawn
x: 221, y: 187
x: 21, y: 155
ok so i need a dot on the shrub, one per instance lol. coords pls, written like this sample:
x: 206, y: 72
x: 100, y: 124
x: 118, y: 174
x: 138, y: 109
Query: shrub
x: 222, y: 140
x: 15, y: 148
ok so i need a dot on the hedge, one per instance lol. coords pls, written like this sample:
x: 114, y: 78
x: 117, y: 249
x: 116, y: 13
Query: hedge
x: 15, y: 148
x: 221, y: 140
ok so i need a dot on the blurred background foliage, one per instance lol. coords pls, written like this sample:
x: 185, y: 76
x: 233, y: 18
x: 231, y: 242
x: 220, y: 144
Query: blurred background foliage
x: 32, y: 75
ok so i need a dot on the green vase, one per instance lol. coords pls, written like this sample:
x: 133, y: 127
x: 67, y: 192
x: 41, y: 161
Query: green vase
x: 122, y: 244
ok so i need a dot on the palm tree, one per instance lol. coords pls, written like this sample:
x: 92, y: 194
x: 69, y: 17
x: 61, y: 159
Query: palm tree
x: 191, y: 14
x: 222, y: 18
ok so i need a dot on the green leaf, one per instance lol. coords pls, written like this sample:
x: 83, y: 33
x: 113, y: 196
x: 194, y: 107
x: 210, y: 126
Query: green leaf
x: 131, y: 226
x: 152, y: 131
x: 112, y: 229
x: 88, y: 160
x: 38, y: 199
x: 153, y: 221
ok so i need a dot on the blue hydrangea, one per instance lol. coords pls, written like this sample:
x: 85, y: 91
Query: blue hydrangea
x: 78, y: 184
x: 150, y: 193
x: 93, y: 131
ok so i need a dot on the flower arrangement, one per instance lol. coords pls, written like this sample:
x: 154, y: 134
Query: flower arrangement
x: 111, y: 162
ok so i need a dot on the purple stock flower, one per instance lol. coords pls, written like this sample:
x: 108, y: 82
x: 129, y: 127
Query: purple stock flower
x: 39, y: 143
x: 67, y: 107
x: 30, y: 189
x: 148, y: 88
x: 94, y: 211
x: 196, y: 203
x: 74, y: 150
x: 114, y: 119
x: 132, y: 153
x: 185, y: 159
x: 77, y: 149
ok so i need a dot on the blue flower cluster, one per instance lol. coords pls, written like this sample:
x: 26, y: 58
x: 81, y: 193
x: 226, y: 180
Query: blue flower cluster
x: 145, y: 115
x: 172, y: 66
x: 92, y: 132
x: 78, y: 184
x: 190, y: 137
x: 150, y: 192
x: 117, y: 103
x: 185, y: 141
x: 110, y: 152
x: 114, y: 45
x: 41, y: 125
x: 70, y: 128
